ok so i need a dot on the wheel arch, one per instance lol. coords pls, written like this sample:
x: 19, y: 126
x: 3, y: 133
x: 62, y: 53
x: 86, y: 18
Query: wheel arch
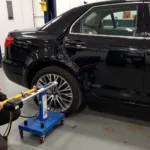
x: 40, y: 64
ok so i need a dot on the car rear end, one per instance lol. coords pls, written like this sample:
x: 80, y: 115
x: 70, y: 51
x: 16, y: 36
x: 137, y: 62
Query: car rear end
x: 17, y: 49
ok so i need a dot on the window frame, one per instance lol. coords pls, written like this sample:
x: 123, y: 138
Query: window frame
x: 105, y: 35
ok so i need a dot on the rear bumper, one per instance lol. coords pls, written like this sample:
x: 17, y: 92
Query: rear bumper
x: 13, y: 71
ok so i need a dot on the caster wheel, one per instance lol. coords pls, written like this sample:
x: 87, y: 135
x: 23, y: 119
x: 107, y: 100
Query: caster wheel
x: 42, y: 139
x: 62, y: 123
x: 21, y: 134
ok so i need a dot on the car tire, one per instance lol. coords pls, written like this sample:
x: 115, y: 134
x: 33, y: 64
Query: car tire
x: 75, y: 89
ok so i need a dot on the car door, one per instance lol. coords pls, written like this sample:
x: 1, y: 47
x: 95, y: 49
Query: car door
x: 109, y: 50
x: 146, y: 32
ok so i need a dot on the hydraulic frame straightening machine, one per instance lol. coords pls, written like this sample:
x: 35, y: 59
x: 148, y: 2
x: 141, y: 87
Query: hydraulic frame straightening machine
x: 43, y: 121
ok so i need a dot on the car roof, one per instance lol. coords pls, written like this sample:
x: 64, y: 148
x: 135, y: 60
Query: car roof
x: 114, y: 2
x: 105, y: 2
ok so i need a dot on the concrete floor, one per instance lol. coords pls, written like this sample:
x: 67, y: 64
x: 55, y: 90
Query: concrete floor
x: 88, y: 130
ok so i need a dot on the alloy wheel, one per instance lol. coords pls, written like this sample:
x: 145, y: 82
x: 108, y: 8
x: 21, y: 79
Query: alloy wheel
x: 59, y: 98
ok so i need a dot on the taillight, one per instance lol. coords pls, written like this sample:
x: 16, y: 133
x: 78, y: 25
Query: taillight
x: 8, y: 41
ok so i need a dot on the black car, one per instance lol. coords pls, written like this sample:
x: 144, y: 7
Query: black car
x: 102, y: 49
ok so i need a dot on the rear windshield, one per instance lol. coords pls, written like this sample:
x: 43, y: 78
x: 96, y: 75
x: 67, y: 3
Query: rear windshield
x: 63, y: 21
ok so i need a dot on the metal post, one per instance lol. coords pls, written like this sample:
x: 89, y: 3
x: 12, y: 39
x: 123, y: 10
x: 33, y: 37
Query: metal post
x: 54, y: 9
x: 51, y: 10
x: 43, y: 112
x: 46, y: 14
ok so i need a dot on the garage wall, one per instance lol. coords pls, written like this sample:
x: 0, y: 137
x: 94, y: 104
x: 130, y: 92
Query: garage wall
x: 62, y: 6
x: 37, y: 13
x: 27, y: 13
x: 65, y: 5
x: 23, y: 17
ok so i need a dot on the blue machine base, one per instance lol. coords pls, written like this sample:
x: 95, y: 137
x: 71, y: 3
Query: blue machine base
x: 34, y: 124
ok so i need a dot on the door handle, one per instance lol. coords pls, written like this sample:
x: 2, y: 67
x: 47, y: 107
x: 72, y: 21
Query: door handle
x: 80, y: 44
x: 76, y: 43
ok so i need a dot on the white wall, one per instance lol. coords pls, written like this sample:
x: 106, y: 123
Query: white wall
x: 27, y: 13
x: 23, y: 18
x: 64, y: 5
x: 38, y: 14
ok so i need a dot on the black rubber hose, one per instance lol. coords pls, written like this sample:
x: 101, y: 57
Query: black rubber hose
x: 10, y: 126
x: 28, y: 116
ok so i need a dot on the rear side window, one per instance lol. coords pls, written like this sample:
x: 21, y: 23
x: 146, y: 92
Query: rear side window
x: 116, y: 20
